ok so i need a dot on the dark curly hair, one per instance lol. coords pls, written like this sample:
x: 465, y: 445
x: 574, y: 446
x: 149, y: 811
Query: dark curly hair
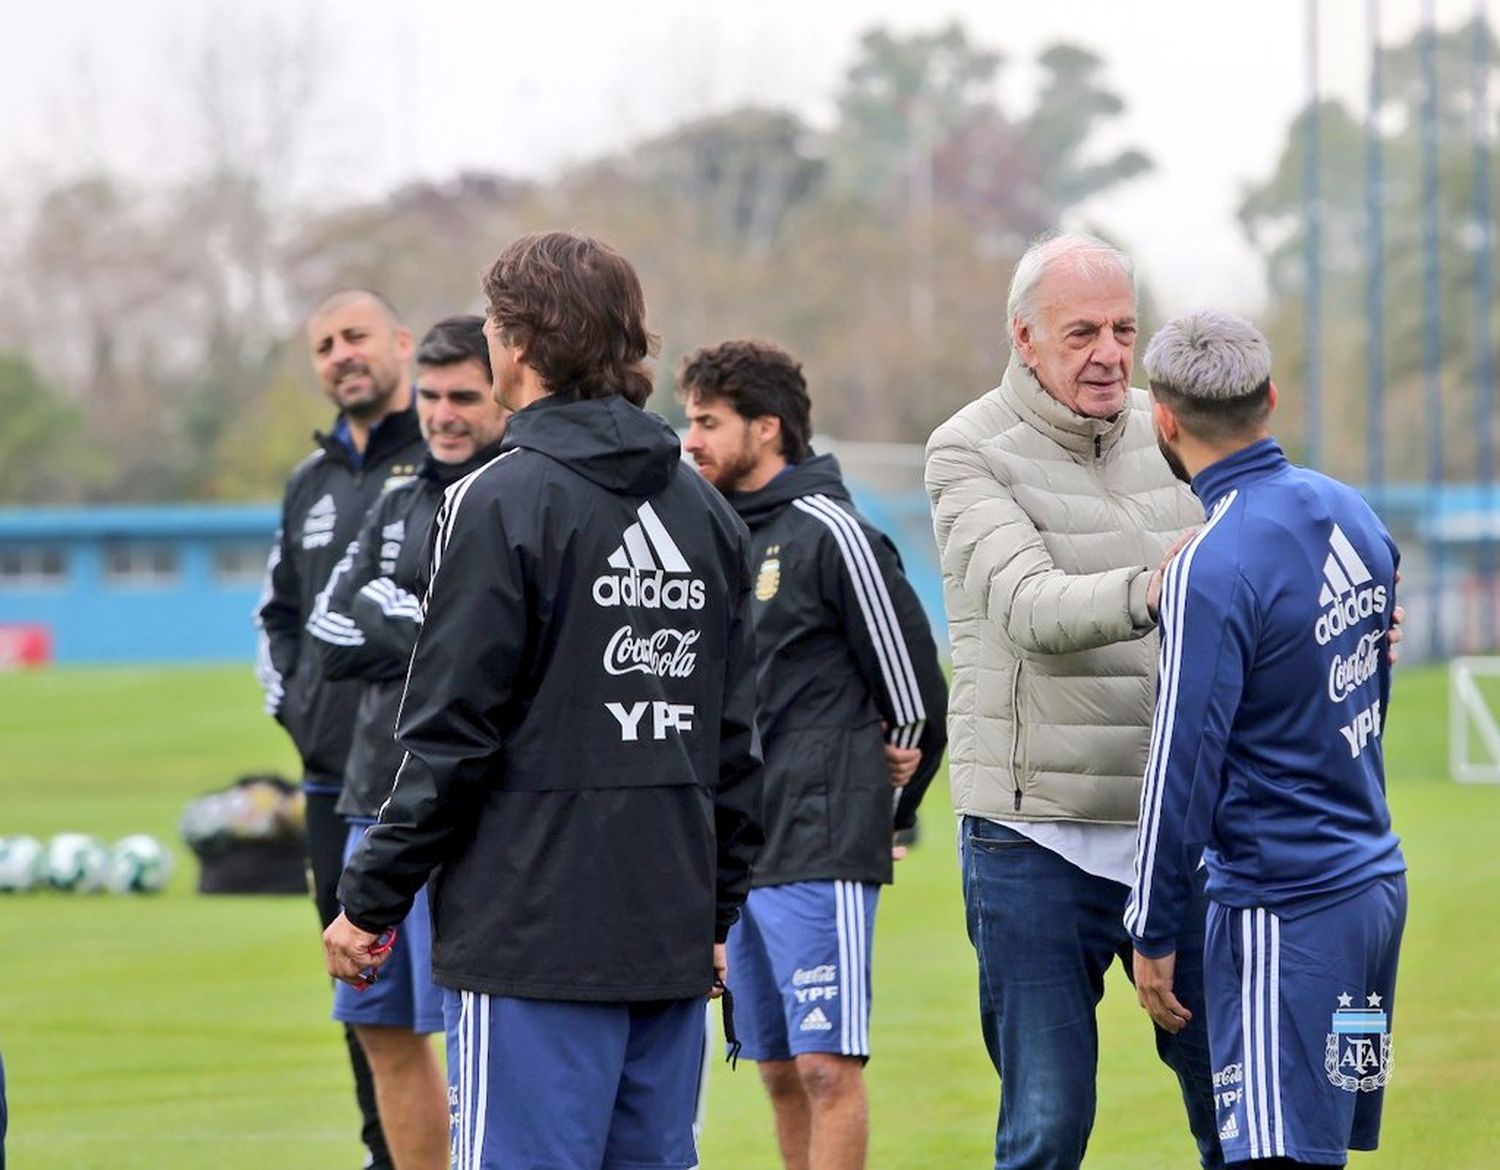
x: 576, y: 307
x: 757, y: 379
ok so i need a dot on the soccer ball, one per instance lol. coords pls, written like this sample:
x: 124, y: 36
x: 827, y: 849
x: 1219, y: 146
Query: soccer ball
x: 75, y: 862
x: 20, y: 863
x: 138, y: 864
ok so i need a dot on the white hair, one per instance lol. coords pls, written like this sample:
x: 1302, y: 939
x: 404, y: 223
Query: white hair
x: 1088, y: 255
x: 1208, y: 356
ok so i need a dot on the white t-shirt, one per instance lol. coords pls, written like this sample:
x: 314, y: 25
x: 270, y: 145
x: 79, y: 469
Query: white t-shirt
x: 1106, y: 851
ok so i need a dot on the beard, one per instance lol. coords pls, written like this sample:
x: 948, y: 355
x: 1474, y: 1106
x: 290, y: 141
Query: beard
x: 727, y: 474
x: 368, y: 402
x: 1179, y: 469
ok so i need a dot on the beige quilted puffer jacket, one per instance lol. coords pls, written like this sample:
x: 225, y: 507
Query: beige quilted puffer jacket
x: 1048, y: 525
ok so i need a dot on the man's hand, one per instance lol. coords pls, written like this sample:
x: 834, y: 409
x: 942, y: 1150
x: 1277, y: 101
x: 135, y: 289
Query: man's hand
x: 902, y: 764
x: 1153, y: 989
x: 721, y: 970
x: 1394, y: 634
x: 1158, y: 575
x: 354, y: 955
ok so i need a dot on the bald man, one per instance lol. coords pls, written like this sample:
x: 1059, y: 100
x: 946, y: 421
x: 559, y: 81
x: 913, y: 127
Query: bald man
x: 361, y: 354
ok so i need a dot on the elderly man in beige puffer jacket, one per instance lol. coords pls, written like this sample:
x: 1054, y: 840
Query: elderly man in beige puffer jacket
x: 1054, y: 513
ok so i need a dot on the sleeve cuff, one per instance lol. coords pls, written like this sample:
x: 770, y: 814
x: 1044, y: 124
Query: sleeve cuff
x: 1154, y: 948
x: 1140, y: 616
x: 364, y: 925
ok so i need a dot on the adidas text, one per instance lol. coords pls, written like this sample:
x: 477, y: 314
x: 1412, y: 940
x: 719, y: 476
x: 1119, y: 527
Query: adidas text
x: 1348, y: 611
x: 649, y: 591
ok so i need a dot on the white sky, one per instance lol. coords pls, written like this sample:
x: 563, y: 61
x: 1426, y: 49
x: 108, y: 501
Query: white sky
x: 428, y: 89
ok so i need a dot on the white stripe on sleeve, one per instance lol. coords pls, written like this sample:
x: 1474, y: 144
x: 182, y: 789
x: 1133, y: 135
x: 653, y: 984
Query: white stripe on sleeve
x: 896, y: 670
x: 1164, y: 723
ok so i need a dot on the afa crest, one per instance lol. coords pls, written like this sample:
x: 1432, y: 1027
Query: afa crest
x: 400, y: 473
x: 768, y: 580
x: 1357, y: 1057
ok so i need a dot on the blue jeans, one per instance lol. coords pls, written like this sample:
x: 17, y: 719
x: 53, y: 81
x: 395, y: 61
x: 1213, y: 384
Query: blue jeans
x: 1045, y: 932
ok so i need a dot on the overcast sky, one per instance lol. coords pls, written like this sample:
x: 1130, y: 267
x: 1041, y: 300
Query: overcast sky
x: 405, y: 90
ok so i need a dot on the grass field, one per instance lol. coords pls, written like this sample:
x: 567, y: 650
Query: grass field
x: 181, y: 1031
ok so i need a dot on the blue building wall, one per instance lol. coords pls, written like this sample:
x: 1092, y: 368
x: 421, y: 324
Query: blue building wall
x: 199, y: 616
x: 1450, y: 540
x: 196, y: 613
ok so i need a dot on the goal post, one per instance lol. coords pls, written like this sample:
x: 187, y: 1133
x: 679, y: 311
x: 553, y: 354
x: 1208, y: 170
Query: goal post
x: 1473, y: 732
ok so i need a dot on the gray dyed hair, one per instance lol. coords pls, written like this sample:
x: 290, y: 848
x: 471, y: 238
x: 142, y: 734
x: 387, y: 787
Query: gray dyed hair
x: 1208, y: 356
x: 1089, y: 256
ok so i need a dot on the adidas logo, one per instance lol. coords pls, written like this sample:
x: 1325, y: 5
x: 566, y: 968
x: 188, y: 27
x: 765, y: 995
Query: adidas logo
x: 647, y: 554
x: 816, y: 1021
x: 1343, y: 600
x: 1230, y: 1129
x: 317, y: 528
x: 391, y: 537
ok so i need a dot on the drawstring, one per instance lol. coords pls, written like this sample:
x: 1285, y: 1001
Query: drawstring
x: 726, y: 1008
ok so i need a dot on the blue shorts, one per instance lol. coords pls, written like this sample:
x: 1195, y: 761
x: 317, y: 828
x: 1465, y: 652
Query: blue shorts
x: 1299, y: 1017
x: 799, y: 968
x: 404, y: 996
x: 572, y: 1086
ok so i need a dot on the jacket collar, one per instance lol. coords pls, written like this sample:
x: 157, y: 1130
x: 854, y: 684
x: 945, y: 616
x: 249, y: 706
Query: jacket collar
x: 1260, y: 459
x: 395, y: 431
x: 1069, y: 430
x: 443, y: 474
x: 815, y: 475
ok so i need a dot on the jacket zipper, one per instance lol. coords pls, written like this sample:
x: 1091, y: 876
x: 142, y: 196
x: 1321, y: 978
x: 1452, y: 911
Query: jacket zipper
x: 1098, y: 446
x: 1015, y: 739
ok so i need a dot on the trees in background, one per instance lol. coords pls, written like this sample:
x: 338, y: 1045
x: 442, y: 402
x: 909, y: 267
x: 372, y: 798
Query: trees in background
x: 165, y: 319
x: 1272, y: 216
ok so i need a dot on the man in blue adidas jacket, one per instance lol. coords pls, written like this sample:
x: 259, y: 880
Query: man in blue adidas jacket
x: 851, y: 700
x: 1266, y: 763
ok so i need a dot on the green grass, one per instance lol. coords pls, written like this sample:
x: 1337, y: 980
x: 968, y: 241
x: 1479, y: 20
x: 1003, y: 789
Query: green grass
x: 183, y: 1031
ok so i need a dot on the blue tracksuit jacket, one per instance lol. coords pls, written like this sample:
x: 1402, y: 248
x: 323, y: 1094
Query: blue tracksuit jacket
x: 1272, y: 690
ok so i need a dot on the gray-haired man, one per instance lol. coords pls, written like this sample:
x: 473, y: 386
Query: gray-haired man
x: 1054, y: 513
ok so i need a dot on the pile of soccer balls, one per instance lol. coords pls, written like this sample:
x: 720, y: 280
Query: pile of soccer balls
x: 80, y: 864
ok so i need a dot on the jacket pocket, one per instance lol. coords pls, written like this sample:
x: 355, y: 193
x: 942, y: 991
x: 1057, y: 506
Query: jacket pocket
x: 988, y: 837
x: 292, y: 713
x: 798, y: 778
x: 1018, y: 736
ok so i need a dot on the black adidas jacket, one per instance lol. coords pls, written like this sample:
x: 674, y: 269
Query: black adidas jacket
x: 326, y: 501
x: 582, y: 780
x: 365, y: 621
x: 843, y: 648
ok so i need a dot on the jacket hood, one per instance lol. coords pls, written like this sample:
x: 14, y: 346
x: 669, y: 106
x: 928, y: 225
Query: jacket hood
x: 622, y: 448
x: 446, y: 473
x: 818, y: 475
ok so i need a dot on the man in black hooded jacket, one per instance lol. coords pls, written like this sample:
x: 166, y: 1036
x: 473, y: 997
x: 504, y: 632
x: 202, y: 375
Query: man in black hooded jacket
x: 852, y: 699
x: 582, y: 773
